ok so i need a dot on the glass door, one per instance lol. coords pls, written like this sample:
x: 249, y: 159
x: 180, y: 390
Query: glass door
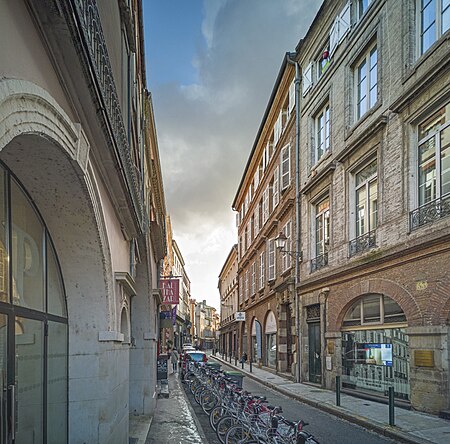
x: 29, y: 380
x: 4, y: 417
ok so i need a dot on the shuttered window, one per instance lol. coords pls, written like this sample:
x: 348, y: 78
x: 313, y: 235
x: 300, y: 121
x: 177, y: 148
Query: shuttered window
x: 285, y: 167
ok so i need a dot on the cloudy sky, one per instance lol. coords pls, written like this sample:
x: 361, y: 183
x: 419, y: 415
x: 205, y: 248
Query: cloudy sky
x: 211, y: 67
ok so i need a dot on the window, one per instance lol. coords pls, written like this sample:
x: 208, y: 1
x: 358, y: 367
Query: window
x: 265, y: 205
x: 256, y: 179
x: 322, y: 227
x: 262, y: 263
x: 434, y: 156
x: 285, y: 167
x: 366, y: 82
x: 366, y: 198
x: 247, y: 288
x: 241, y: 289
x: 322, y: 133
x: 276, y: 188
x: 433, y: 21
x: 363, y: 5
x: 253, y: 269
x: 256, y: 220
x: 271, y: 259
x: 278, y: 128
x: 374, y: 309
x: 323, y: 61
x: 286, y: 260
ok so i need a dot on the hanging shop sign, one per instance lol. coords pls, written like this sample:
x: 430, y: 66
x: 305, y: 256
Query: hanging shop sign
x: 240, y: 316
x: 170, y: 290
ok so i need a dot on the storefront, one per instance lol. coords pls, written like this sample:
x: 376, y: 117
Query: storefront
x: 375, y: 352
x: 33, y: 323
x: 271, y: 340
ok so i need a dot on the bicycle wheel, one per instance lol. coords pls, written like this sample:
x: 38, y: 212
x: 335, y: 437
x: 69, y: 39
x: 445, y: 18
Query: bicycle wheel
x: 195, y: 384
x: 208, y: 400
x: 215, y: 414
x: 198, y: 392
x: 223, y: 425
x: 238, y: 434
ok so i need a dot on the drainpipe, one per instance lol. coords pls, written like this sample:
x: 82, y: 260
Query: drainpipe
x: 297, y: 209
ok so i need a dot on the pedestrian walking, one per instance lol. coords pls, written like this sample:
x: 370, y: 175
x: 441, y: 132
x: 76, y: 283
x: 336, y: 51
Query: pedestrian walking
x: 174, y: 357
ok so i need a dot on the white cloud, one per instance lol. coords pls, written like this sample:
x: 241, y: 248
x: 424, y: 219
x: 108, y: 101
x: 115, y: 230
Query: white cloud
x: 206, y: 130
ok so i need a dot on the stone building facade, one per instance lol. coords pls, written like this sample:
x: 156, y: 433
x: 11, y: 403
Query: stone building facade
x: 265, y: 206
x: 82, y: 234
x: 374, y: 290
x: 228, y: 290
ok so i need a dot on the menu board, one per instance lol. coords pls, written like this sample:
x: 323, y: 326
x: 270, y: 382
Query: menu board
x: 161, y: 367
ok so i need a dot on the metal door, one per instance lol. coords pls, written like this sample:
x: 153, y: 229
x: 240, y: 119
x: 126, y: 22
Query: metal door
x: 315, y: 360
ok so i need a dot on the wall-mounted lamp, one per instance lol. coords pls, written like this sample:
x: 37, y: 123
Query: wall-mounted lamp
x: 280, y: 244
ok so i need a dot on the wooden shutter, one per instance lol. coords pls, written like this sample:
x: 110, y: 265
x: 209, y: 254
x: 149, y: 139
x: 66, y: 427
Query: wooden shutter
x: 285, y: 167
x: 307, y: 79
x: 276, y: 187
x: 345, y: 22
x: 291, y: 97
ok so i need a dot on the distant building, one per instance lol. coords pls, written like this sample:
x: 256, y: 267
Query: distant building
x: 228, y: 289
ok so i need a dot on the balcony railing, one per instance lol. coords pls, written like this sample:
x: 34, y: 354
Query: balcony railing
x: 94, y: 41
x: 319, y: 262
x: 430, y: 212
x: 362, y: 243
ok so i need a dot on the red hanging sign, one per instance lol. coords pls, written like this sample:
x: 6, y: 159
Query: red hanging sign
x: 170, y: 289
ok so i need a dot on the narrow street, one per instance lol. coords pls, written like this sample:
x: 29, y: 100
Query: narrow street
x: 327, y: 428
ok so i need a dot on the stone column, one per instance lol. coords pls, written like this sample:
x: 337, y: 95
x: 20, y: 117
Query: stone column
x: 429, y: 367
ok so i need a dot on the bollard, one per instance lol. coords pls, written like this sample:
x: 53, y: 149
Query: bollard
x: 391, y: 406
x: 338, y: 391
x: 251, y: 362
x: 230, y: 358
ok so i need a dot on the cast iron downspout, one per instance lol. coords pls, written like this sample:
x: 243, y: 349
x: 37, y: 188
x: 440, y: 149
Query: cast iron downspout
x: 297, y: 211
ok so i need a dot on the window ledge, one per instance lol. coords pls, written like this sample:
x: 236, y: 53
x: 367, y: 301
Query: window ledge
x: 110, y: 336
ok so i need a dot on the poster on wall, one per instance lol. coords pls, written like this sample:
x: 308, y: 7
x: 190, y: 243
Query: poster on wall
x: 375, y: 354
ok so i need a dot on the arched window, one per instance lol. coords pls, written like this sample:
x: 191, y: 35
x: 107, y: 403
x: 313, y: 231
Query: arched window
x: 33, y: 344
x: 373, y: 309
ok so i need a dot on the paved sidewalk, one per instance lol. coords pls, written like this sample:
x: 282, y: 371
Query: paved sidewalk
x: 174, y: 421
x: 410, y: 426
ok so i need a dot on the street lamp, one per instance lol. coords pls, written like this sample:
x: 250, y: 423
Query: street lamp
x: 280, y: 244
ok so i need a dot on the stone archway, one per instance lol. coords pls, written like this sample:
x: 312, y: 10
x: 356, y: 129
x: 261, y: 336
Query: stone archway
x: 339, y: 303
x: 49, y: 155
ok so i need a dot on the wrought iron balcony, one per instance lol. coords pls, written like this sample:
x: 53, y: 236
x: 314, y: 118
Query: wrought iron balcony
x: 430, y: 212
x: 319, y: 262
x: 94, y: 41
x: 362, y: 243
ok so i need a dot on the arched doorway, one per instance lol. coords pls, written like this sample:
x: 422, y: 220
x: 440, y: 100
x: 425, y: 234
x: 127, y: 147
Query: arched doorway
x: 375, y: 352
x: 256, y: 341
x: 271, y: 340
x: 33, y: 323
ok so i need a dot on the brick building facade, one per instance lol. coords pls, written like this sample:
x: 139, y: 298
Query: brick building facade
x: 265, y: 205
x: 373, y: 196
x: 374, y: 184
